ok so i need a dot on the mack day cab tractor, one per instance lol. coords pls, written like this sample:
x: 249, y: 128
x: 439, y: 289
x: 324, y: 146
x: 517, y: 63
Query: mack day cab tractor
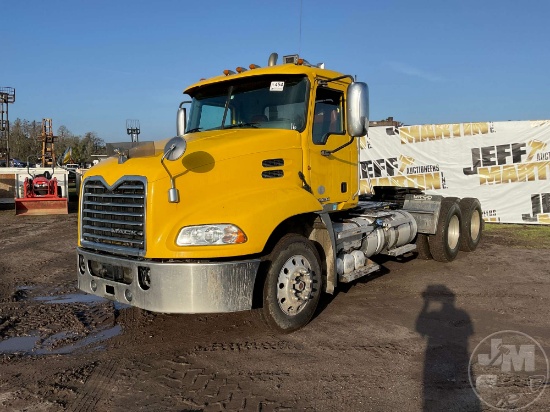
x: 255, y: 202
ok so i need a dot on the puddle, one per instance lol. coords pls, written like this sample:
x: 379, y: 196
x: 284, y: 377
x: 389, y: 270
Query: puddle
x: 25, y: 287
x: 120, y: 306
x: 50, y: 342
x: 71, y: 298
x: 27, y: 344
x: 19, y: 344
x: 66, y: 342
x: 96, y: 337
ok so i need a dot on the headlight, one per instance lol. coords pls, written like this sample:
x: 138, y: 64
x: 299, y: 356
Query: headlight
x: 210, y: 235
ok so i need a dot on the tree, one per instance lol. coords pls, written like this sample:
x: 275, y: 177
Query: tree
x: 89, y: 145
x: 25, y: 143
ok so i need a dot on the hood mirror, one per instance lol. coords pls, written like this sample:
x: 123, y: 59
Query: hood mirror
x: 174, y: 150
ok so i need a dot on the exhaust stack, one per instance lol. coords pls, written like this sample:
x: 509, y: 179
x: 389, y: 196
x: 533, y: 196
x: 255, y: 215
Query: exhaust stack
x: 272, y: 61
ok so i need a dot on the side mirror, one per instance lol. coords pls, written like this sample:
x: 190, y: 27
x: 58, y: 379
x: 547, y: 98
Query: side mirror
x: 181, y: 119
x: 175, y: 148
x: 358, y: 109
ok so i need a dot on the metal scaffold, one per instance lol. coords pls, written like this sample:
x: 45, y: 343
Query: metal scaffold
x: 48, y: 143
x: 7, y: 96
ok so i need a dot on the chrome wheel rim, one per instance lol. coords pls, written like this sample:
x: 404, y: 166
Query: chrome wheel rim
x: 453, y: 233
x: 475, y: 224
x: 295, y: 285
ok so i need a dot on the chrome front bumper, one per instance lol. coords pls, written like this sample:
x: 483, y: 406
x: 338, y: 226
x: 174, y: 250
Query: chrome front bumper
x: 172, y: 287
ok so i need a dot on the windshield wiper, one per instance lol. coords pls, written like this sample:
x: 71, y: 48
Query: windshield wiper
x: 226, y: 105
x: 196, y: 129
x: 243, y: 124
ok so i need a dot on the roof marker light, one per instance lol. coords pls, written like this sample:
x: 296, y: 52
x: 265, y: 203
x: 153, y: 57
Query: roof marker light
x: 254, y: 66
x: 228, y: 72
x: 240, y: 69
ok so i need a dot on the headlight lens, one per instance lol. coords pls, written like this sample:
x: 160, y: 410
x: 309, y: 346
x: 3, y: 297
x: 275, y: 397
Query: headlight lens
x: 222, y: 234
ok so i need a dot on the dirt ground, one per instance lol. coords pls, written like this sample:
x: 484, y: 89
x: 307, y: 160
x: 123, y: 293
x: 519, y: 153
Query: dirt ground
x: 373, y: 346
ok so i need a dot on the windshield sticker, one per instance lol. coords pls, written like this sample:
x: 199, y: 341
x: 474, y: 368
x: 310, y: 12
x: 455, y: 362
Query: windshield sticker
x: 277, y: 86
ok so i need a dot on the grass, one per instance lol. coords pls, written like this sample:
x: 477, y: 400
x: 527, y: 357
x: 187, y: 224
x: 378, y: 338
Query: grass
x: 529, y: 236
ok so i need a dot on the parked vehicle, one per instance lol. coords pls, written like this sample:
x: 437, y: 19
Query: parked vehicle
x: 255, y: 202
x: 17, y: 163
x: 41, y: 194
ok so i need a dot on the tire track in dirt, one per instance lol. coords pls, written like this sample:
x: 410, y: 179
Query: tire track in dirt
x: 95, y: 387
x: 180, y: 383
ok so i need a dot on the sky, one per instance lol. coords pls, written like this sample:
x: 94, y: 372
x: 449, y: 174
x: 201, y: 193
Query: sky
x: 91, y: 65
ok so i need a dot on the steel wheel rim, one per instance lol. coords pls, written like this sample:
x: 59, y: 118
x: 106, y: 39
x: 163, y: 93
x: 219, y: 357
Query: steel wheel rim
x: 294, y: 285
x: 475, y: 224
x: 453, y: 232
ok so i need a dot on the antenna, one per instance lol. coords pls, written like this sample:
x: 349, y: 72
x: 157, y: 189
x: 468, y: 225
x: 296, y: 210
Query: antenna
x: 300, y: 41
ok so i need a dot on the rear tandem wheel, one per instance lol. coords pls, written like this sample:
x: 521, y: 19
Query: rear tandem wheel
x: 444, y: 244
x: 472, y: 224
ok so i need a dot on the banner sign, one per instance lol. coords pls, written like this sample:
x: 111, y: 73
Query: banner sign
x: 506, y: 165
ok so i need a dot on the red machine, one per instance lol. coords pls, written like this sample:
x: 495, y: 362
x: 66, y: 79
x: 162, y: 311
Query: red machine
x: 41, y: 196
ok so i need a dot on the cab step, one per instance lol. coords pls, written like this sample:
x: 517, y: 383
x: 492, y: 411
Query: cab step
x: 362, y: 271
x: 398, y: 251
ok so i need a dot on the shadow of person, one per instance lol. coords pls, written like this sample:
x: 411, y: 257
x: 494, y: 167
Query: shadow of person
x: 445, y: 382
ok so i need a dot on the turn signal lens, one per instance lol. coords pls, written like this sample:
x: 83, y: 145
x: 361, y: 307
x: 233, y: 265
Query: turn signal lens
x: 232, y: 234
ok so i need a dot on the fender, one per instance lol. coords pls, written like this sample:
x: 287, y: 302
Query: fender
x: 256, y: 212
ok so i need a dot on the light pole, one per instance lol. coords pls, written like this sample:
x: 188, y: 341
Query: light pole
x: 133, y: 130
x: 7, y: 96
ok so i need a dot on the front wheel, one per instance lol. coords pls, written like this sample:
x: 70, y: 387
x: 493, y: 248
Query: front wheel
x: 293, y: 284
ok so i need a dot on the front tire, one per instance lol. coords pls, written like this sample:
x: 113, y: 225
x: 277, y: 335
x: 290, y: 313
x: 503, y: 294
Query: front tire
x: 444, y: 244
x: 293, y: 284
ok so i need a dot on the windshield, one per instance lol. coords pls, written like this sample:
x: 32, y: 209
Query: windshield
x: 269, y: 102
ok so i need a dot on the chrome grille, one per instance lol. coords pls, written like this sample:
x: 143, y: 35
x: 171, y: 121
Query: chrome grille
x: 113, y: 218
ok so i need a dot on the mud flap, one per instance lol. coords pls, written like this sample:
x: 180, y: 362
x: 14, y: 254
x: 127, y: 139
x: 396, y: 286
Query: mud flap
x: 41, y: 206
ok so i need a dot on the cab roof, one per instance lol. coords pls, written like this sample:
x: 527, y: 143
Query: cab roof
x: 289, y: 68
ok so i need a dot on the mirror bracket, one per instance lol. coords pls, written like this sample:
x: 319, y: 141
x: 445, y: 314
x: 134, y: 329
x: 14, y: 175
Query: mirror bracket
x: 174, y: 150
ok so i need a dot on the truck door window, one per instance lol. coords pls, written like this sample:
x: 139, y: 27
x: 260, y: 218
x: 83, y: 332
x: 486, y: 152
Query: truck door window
x: 327, y: 115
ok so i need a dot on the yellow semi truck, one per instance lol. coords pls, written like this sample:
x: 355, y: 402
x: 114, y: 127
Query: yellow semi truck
x: 255, y: 202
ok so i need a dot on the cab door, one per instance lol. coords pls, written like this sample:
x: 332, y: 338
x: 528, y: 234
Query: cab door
x: 333, y: 177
